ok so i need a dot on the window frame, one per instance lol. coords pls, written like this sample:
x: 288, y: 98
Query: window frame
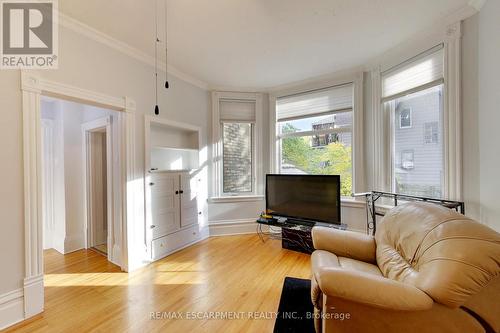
x: 357, y: 144
x: 450, y: 37
x: 216, y: 185
x: 390, y: 107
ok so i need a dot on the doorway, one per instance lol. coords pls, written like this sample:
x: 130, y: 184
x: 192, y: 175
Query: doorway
x: 80, y: 182
x: 98, y: 175
x: 126, y: 186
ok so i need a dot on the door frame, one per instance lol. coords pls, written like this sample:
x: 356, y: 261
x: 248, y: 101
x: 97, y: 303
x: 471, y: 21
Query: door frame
x: 33, y: 86
x: 48, y: 161
x: 87, y: 129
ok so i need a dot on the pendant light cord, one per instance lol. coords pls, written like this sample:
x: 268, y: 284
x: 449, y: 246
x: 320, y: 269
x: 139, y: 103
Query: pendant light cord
x: 156, y: 58
x: 166, y: 48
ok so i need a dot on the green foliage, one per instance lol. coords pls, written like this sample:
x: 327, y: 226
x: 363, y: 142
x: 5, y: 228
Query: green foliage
x: 333, y: 159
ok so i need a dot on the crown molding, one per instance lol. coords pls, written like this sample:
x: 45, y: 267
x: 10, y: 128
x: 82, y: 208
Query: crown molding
x: 477, y: 4
x: 100, y: 37
x: 316, y: 82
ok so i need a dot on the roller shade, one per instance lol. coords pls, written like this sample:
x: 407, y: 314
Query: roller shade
x: 315, y: 102
x: 426, y: 69
x: 237, y: 110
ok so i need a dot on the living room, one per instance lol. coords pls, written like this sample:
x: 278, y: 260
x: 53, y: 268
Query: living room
x: 210, y: 115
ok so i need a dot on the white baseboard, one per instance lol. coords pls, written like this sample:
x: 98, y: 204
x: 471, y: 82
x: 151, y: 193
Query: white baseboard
x: 11, y: 308
x: 33, y: 296
x: 232, y: 227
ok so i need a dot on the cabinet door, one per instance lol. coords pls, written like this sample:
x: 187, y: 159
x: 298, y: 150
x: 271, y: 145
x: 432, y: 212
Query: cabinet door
x: 165, y: 217
x: 189, y: 199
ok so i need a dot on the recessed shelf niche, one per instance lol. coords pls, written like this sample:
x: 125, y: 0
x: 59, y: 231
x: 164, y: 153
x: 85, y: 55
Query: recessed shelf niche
x: 171, y: 146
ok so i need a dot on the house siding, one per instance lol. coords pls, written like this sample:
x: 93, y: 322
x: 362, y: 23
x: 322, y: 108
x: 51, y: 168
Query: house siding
x: 426, y: 176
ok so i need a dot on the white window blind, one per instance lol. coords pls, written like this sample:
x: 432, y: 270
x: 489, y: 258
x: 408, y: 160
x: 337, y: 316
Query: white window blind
x: 237, y: 111
x: 315, y: 103
x: 425, y: 70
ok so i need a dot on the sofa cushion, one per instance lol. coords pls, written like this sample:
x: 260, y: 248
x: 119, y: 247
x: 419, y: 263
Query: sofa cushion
x: 438, y: 250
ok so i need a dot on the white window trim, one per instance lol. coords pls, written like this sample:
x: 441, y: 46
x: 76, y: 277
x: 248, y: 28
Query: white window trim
x: 452, y: 132
x: 217, y: 150
x: 358, y: 175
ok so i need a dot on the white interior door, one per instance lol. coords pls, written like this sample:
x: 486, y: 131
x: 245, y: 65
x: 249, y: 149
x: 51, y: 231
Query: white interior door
x: 164, y: 199
x: 189, y: 203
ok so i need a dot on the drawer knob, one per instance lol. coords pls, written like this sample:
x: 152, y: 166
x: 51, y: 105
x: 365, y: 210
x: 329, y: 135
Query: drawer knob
x: 152, y: 226
x: 151, y: 184
x: 199, y: 213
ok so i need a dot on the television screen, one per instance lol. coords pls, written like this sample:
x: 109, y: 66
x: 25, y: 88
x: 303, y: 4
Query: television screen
x: 308, y: 197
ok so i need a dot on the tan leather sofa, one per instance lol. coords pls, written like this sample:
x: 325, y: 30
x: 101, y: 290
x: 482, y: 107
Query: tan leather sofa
x: 428, y: 269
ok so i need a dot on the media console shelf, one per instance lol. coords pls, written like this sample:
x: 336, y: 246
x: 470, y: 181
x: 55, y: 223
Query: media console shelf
x: 294, y: 236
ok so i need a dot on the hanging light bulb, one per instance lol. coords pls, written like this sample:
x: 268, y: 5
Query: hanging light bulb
x: 166, y: 50
x: 157, y: 40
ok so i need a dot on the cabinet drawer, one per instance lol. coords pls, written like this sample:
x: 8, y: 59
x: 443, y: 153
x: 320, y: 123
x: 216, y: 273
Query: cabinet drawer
x: 163, y: 246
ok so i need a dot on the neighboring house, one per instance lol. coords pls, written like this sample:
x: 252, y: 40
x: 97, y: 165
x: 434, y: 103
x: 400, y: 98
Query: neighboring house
x: 418, y: 150
x: 333, y: 121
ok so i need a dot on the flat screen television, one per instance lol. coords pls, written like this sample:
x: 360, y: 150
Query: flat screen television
x: 304, y: 197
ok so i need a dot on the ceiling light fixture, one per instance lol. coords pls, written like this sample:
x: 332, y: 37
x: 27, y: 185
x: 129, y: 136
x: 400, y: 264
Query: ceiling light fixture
x: 157, y: 40
x: 166, y: 50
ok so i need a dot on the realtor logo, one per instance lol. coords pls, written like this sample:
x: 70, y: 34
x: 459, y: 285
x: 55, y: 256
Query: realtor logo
x: 29, y: 34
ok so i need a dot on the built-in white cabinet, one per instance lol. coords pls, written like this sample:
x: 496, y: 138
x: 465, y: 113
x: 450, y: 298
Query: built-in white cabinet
x: 165, y: 203
x: 174, y: 214
x: 174, y: 210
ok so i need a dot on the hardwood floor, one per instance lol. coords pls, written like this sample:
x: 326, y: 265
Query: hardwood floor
x: 238, y: 274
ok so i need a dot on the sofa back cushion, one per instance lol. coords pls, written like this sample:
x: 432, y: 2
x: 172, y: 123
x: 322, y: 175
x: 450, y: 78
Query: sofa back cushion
x: 438, y: 250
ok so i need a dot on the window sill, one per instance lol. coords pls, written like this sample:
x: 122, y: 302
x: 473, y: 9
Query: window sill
x: 236, y: 198
x: 352, y: 202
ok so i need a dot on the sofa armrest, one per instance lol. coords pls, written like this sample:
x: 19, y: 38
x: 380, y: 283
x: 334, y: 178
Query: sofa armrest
x: 350, y: 244
x: 372, y: 290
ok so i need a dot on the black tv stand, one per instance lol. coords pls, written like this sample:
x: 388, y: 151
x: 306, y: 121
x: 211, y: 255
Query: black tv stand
x: 295, y: 234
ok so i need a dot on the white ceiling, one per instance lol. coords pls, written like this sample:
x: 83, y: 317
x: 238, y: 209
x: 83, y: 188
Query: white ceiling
x: 263, y: 43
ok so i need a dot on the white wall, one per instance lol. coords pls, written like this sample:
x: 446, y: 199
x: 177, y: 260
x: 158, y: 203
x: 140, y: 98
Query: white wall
x: 11, y: 178
x: 489, y: 112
